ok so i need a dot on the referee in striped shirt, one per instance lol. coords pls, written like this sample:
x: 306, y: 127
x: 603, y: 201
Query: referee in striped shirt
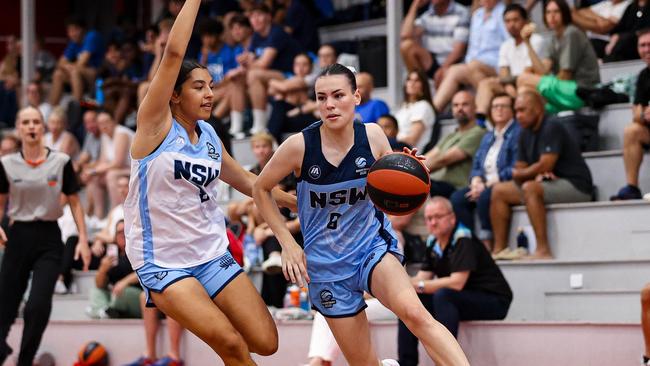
x: 33, y: 180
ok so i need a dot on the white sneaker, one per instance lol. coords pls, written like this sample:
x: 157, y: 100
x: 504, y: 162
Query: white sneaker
x: 60, y: 288
x: 273, y: 265
x: 389, y: 362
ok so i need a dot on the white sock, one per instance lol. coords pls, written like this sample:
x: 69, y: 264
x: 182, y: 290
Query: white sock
x: 236, y: 122
x: 259, y: 121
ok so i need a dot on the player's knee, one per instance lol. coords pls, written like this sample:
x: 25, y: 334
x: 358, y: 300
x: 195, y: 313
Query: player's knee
x: 406, y: 45
x: 267, y: 347
x: 227, y: 344
x: 645, y: 296
x: 415, y: 315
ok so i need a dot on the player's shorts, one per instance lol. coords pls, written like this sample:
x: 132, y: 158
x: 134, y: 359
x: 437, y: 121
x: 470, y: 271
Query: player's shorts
x: 344, y: 298
x: 213, y: 275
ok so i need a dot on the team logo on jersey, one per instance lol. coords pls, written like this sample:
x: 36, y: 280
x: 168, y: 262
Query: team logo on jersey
x: 180, y: 140
x: 212, y: 152
x: 327, y: 299
x: 52, y: 179
x: 360, y: 162
x: 199, y: 175
x: 160, y: 275
x: 314, y: 172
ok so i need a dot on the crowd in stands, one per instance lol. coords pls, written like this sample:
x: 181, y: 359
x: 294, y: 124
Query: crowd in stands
x: 496, y: 74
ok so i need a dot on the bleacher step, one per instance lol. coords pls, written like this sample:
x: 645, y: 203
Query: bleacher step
x: 486, y: 343
x: 608, y: 172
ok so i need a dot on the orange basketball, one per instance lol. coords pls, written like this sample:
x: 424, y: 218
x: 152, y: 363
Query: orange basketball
x: 93, y: 354
x: 398, y: 183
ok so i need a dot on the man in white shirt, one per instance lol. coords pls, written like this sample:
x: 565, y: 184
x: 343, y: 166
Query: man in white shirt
x: 598, y: 20
x: 513, y: 60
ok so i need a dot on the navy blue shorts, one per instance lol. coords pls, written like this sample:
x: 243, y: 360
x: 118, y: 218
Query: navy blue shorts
x: 213, y: 275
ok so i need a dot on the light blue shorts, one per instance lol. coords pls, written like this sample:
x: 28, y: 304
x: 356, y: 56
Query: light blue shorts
x: 344, y: 298
x: 213, y: 275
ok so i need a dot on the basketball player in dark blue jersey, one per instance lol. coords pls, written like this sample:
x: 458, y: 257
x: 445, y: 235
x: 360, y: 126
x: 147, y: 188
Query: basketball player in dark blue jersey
x: 349, y: 244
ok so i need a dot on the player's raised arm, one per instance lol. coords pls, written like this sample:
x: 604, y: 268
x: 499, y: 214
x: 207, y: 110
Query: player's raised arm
x: 154, y: 115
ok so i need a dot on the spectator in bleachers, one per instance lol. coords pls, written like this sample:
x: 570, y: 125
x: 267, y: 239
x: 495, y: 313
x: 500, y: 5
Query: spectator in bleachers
x: 569, y: 61
x: 416, y: 116
x: 91, y: 148
x: 218, y: 56
x: 117, y: 291
x: 637, y: 134
x: 369, y: 109
x: 622, y: 44
x: 468, y: 285
x: 269, y: 57
x: 287, y: 95
x: 598, y: 20
x: 549, y: 169
x: 9, y: 144
x: 444, y: 32
x: 492, y: 163
x: 301, y: 23
x: 118, y: 77
x: 78, y: 65
x: 151, y: 319
x: 57, y: 138
x: 390, y: 125
x: 114, y: 161
x: 153, y: 55
x: 514, y: 58
x: 487, y: 32
x: 35, y: 99
x: 450, y: 161
x: 9, y: 83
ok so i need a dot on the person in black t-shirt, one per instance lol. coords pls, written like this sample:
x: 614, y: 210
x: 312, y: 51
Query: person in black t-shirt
x: 549, y: 169
x: 637, y: 133
x: 468, y: 285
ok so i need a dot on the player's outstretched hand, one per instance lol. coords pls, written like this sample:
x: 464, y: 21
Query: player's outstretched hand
x: 294, y: 264
x: 414, y: 152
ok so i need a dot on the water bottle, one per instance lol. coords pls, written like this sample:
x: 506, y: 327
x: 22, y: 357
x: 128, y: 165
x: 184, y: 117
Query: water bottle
x: 99, y: 91
x: 286, y: 302
x: 304, y: 299
x: 522, y: 239
x: 294, y: 293
x: 251, y: 250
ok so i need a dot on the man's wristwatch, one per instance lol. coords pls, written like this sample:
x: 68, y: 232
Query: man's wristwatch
x: 420, y: 286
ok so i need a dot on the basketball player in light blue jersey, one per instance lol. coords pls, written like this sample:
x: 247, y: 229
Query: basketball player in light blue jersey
x: 350, y: 246
x: 176, y: 235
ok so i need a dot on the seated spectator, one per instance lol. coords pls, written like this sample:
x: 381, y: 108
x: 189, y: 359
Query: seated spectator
x: 9, y: 82
x: 415, y: 116
x: 514, y: 58
x: 492, y: 163
x: 598, y: 20
x: 153, y: 55
x: 34, y: 96
x: 369, y: 109
x: 78, y: 66
x: 289, y: 94
x: 450, y: 161
x: 622, y: 44
x: 549, y: 169
x: 323, y: 349
x: 569, y: 58
x: 636, y: 137
x: 57, y: 138
x: 269, y: 56
x: 468, y: 285
x: 114, y: 161
x: 9, y: 144
x: 444, y: 32
x: 151, y: 319
x: 117, y: 291
x: 486, y: 34
x: 389, y: 124
x: 300, y: 22
x: 44, y: 61
x: 91, y: 149
x: 118, y: 82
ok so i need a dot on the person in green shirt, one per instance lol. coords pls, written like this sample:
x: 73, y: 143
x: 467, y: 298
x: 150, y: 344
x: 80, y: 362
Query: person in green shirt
x: 450, y: 161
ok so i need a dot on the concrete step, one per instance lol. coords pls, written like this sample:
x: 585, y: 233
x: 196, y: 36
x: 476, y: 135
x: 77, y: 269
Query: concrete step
x: 69, y: 307
x: 613, y: 120
x: 485, y: 343
x: 608, y: 172
x: 593, y: 230
x: 604, y: 290
x: 611, y: 70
